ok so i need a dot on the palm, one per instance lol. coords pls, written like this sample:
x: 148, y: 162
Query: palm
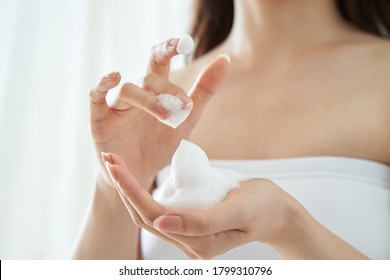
x: 143, y: 142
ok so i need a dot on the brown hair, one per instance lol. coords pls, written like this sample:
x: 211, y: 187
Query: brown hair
x: 213, y: 20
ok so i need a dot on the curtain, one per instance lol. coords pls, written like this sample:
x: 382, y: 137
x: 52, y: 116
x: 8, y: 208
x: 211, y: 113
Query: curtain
x: 51, y: 53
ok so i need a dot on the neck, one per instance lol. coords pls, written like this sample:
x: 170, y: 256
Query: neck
x: 282, y: 26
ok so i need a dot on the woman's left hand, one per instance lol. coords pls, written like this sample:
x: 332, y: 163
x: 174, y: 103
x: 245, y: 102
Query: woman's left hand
x: 258, y: 210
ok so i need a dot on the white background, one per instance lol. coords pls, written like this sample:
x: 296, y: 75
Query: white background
x: 51, y: 53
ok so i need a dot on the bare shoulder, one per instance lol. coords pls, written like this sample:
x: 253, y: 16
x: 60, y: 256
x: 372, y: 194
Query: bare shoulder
x: 368, y: 57
x: 375, y: 51
x: 379, y: 51
x: 374, y: 72
x: 376, y: 66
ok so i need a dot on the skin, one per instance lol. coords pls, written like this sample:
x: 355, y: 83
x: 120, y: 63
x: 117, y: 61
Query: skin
x: 131, y: 129
x: 307, y: 93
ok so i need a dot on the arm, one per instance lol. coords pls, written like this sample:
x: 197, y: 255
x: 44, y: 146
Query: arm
x: 306, y: 238
x: 108, y: 232
x: 258, y: 210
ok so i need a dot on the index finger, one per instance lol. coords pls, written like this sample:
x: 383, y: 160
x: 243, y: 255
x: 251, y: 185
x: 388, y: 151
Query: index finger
x: 162, y: 54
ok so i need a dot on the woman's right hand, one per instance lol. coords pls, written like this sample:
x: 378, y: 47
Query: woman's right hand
x: 130, y: 127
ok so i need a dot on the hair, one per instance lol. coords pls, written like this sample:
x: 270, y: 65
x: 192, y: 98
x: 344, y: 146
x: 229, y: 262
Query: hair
x: 213, y: 20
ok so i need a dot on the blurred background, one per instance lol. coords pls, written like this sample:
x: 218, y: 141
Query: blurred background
x: 51, y: 53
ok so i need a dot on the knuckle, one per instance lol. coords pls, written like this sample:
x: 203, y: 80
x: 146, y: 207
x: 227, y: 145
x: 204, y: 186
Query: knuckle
x: 205, y: 89
x: 95, y: 96
x: 125, y: 89
x: 147, y: 221
x: 205, y: 226
x: 138, y: 221
x: 126, y: 86
x: 92, y: 94
x: 246, y: 211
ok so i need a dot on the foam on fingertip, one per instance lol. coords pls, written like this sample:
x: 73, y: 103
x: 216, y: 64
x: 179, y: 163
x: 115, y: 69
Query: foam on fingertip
x: 185, y: 44
x: 175, y: 106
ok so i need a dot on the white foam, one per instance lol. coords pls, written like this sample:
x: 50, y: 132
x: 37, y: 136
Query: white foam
x: 185, y: 44
x: 193, y: 183
x: 177, y: 114
x: 112, y: 96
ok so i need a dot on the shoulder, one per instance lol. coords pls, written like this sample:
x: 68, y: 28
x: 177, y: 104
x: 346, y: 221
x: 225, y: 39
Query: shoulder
x: 373, y: 53
x: 375, y: 67
x: 374, y: 75
x: 367, y: 58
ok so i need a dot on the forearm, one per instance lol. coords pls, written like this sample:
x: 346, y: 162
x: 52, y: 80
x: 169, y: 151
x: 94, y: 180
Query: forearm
x: 108, y: 232
x: 306, y: 238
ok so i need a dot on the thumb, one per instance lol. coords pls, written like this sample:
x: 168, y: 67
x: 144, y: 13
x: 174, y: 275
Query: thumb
x: 207, y: 84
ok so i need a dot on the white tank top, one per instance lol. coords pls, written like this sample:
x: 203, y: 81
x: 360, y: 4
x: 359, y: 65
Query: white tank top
x: 349, y: 196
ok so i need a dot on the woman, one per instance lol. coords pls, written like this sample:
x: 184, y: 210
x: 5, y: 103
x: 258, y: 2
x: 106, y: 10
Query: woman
x: 306, y: 99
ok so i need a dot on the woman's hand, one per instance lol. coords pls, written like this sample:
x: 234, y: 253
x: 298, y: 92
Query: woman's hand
x: 256, y: 211
x: 130, y: 127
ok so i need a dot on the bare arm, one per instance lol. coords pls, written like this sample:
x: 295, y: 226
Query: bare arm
x: 108, y: 232
x: 306, y: 238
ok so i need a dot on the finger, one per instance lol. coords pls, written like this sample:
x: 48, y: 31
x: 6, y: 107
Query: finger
x: 109, y: 81
x: 161, y: 56
x: 97, y: 95
x: 138, y: 197
x: 131, y: 95
x: 109, y: 160
x: 204, y: 245
x: 137, y: 219
x: 206, y: 85
x: 199, y: 222
x: 209, y: 246
x: 157, y: 84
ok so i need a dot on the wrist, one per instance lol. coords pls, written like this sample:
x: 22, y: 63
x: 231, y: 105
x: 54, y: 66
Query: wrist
x: 305, y: 238
x: 293, y: 229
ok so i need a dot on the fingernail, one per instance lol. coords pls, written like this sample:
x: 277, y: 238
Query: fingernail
x: 164, y: 113
x: 187, y: 101
x: 111, y: 75
x: 168, y: 223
